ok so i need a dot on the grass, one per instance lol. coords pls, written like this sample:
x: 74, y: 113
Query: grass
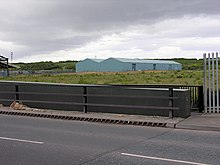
x: 184, y: 77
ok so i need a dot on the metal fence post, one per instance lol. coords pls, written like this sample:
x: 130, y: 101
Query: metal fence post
x: 217, y: 87
x: 85, y: 99
x: 211, y: 91
x: 205, y: 82
x: 209, y: 82
x: 213, y: 83
x: 200, y: 99
x: 171, y: 102
x: 16, y: 93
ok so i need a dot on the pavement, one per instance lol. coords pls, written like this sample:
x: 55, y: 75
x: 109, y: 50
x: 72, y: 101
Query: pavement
x: 201, y: 121
x: 197, y: 121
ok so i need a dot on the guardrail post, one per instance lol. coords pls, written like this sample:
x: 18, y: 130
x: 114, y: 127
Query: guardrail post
x: 16, y: 93
x: 200, y: 99
x: 85, y: 108
x: 171, y: 102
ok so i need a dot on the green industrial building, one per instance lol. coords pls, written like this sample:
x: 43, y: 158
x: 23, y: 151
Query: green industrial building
x: 125, y: 64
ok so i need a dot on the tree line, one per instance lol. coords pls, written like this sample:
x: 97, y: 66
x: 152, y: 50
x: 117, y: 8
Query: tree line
x: 47, y: 65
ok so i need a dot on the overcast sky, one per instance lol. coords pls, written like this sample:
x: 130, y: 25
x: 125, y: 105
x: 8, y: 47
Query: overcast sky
x: 59, y: 30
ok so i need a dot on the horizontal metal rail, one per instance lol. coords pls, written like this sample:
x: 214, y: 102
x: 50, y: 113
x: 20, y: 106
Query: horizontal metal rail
x: 100, y: 105
x: 196, y: 93
x: 17, y: 93
x: 89, y: 95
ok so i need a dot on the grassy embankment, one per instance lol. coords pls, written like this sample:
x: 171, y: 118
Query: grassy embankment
x: 184, y: 77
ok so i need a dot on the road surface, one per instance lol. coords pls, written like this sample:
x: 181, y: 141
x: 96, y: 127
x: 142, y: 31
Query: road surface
x: 26, y: 141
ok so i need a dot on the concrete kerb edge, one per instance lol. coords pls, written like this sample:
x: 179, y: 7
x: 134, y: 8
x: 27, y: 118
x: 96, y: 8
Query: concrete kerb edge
x: 178, y: 124
x: 198, y: 128
x: 88, y: 119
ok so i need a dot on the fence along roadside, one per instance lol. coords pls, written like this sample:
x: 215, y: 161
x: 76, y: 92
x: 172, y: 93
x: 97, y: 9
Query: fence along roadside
x: 20, y: 93
x: 211, y: 86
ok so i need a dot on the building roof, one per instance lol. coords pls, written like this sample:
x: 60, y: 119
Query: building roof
x: 129, y: 60
x: 95, y: 59
x: 146, y: 61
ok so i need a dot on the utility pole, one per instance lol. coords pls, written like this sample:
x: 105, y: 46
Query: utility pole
x: 11, y: 57
x: 7, y: 67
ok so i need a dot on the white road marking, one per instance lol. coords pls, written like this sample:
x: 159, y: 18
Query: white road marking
x: 163, y: 159
x: 21, y: 140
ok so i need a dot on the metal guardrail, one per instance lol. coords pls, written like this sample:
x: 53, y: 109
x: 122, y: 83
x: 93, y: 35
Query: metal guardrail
x: 17, y: 93
x: 196, y: 93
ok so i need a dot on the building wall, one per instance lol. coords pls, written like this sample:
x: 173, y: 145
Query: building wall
x: 113, y: 65
x: 168, y: 67
x: 150, y: 66
x: 144, y: 66
x: 87, y: 65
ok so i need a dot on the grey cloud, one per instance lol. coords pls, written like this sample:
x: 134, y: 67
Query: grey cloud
x: 87, y: 15
x: 41, y: 25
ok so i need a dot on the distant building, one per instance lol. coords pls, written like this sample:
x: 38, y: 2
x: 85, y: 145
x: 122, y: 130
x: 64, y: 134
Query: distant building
x: 124, y: 64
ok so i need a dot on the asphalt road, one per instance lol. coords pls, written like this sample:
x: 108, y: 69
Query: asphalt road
x: 38, y: 141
